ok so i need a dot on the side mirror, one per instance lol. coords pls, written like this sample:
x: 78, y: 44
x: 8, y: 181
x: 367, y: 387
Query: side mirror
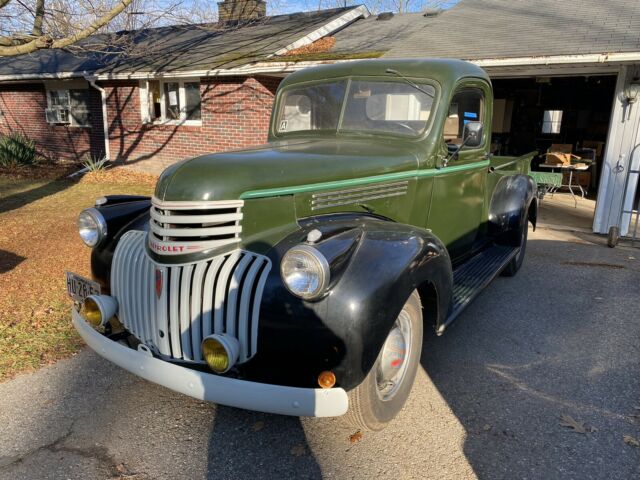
x: 472, y: 134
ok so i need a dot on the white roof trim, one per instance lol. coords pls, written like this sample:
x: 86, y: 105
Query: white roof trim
x: 284, y: 67
x: 559, y: 59
x: 340, y: 22
x: 251, y: 69
x: 43, y: 76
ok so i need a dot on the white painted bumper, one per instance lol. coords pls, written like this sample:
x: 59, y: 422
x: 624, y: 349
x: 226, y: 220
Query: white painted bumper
x: 310, y: 402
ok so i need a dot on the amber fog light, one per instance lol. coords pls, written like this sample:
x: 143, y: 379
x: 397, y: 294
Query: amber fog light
x: 98, y: 309
x: 91, y: 313
x: 326, y: 379
x: 220, y: 351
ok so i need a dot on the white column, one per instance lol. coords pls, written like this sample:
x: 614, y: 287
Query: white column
x: 621, y: 154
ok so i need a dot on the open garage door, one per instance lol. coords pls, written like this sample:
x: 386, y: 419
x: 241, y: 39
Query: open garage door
x: 569, y: 115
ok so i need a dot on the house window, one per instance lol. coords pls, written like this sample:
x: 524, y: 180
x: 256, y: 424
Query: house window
x: 552, y: 121
x: 68, y: 107
x: 171, y: 101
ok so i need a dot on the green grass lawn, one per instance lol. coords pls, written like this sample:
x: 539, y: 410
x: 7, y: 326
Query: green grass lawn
x: 38, y: 243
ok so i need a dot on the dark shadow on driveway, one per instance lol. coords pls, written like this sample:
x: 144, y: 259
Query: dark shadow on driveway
x: 255, y: 445
x: 569, y: 346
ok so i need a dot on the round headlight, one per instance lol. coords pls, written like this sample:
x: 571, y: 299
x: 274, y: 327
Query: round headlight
x: 91, y: 227
x: 305, y: 272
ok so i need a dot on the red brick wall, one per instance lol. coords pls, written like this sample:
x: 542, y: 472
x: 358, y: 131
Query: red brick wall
x: 23, y: 106
x: 235, y: 113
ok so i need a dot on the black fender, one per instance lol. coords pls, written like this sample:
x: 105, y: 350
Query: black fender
x: 375, y: 265
x: 121, y: 213
x: 513, y: 203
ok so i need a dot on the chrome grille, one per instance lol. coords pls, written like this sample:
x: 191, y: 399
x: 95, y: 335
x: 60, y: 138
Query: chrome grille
x: 187, y: 227
x: 171, y: 308
x: 338, y: 198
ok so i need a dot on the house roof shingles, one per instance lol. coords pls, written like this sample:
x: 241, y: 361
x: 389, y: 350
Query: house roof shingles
x: 483, y: 29
x: 174, y: 48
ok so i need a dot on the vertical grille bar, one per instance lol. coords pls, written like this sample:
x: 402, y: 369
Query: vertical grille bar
x: 174, y: 315
x: 185, y: 316
x: 145, y: 317
x: 138, y: 307
x: 221, y: 290
x: 161, y: 313
x: 232, y: 294
x: 196, y: 309
x: 245, y: 303
x: 255, y: 311
x: 207, y: 302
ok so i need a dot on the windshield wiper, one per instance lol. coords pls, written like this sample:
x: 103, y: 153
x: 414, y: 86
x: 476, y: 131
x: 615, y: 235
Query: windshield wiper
x: 410, y: 82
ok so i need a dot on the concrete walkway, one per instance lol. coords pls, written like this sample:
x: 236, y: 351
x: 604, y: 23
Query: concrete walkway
x: 561, y: 338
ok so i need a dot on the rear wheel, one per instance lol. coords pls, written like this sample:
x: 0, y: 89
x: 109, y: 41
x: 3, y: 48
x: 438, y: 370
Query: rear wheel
x: 516, y: 262
x: 384, y: 391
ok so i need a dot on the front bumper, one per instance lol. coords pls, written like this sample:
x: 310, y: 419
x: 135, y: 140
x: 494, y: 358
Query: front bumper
x: 307, y: 402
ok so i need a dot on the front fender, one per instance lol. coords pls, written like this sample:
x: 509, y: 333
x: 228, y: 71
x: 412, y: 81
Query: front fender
x: 511, y: 207
x: 121, y: 213
x: 344, y: 331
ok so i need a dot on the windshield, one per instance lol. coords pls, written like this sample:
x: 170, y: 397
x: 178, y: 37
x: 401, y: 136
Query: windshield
x: 369, y: 106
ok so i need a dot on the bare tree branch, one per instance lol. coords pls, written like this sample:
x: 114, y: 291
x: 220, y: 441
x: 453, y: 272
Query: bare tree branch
x: 3, y: 3
x: 37, y: 21
x: 46, y: 41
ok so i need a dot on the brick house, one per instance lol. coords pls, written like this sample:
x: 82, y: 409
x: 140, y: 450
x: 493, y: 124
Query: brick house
x: 163, y: 94
x: 186, y: 90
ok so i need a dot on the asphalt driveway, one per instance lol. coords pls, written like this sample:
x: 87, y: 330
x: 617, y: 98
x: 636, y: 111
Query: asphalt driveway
x: 561, y: 338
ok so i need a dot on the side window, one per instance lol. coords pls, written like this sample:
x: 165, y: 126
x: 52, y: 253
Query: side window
x: 467, y: 105
x: 68, y: 107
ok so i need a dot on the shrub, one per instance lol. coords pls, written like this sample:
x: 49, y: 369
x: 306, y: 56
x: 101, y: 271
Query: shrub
x: 94, y: 164
x: 17, y: 150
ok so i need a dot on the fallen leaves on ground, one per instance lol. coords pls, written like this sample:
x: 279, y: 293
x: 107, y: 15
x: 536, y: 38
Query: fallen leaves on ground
x: 575, y: 426
x: 38, y: 243
x: 631, y: 441
x: 298, y: 450
x: 121, y: 176
x: 356, y: 437
x: 256, y: 427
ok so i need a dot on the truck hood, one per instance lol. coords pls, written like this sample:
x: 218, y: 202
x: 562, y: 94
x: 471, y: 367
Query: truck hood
x: 226, y: 176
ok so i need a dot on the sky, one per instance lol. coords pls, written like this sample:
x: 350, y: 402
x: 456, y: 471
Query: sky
x: 376, y: 6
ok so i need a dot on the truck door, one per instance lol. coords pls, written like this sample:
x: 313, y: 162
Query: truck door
x: 458, y: 191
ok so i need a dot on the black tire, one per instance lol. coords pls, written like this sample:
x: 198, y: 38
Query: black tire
x: 367, y: 408
x: 516, y: 262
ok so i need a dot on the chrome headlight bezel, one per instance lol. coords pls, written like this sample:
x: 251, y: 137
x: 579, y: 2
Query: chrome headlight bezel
x: 99, y: 227
x: 320, y: 264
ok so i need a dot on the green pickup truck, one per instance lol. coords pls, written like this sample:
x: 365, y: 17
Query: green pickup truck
x: 297, y: 277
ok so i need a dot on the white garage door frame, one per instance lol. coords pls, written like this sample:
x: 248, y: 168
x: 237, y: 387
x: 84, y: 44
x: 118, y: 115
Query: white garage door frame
x: 621, y: 149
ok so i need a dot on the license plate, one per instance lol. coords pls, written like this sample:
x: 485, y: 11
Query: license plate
x: 80, y: 288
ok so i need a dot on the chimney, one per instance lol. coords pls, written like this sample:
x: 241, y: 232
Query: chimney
x: 238, y: 11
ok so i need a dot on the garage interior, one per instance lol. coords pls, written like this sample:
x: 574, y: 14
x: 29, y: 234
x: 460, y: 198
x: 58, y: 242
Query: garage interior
x: 549, y: 113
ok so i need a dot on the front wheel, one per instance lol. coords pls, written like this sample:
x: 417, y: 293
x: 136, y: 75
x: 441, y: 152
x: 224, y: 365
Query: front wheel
x: 384, y: 391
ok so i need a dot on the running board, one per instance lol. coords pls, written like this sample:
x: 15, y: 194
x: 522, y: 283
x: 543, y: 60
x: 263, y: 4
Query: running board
x: 470, y: 278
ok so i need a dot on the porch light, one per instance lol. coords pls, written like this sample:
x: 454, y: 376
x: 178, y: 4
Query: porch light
x: 632, y: 91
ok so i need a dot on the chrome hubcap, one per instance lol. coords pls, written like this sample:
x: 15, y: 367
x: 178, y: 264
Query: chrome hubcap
x: 393, y: 360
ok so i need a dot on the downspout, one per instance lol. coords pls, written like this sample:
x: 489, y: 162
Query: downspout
x: 105, y: 124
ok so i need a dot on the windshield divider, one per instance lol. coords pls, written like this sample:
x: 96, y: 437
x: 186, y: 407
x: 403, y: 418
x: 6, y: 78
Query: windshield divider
x: 344, y: 105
